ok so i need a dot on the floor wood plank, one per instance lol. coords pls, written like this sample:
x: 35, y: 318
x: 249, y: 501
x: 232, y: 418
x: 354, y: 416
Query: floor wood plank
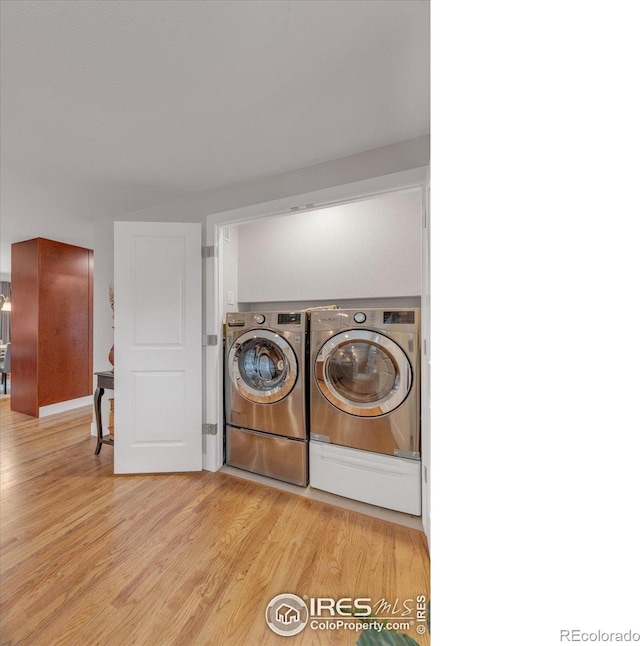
x: 192, y: 559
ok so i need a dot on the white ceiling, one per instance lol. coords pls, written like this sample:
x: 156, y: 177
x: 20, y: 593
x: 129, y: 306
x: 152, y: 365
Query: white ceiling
x: 109, y: 107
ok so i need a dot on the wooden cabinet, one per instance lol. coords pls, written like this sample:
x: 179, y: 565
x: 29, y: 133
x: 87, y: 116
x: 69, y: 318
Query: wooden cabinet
x: 52, y: 324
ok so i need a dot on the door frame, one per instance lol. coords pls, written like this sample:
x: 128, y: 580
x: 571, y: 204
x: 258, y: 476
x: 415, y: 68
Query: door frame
x: 319, y: 199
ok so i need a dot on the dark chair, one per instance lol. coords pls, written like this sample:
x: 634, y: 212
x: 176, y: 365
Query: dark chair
x: 5, y: 366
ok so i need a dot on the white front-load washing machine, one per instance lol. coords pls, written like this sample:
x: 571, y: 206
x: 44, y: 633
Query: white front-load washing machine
x: 266, y: 429
x: 365, y: 405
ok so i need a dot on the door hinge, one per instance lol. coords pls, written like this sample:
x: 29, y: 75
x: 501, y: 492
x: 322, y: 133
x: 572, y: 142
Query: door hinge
x: 209, y: 429
x: 209, y: 339
x: 210, y: 251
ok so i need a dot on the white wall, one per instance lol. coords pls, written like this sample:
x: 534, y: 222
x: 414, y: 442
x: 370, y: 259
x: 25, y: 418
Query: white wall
x: 102, y: 315
x: 349, y: 171
x: 366, y: 249
x: 394, y: 158
x: 103, y: 278
x: 229, y: 262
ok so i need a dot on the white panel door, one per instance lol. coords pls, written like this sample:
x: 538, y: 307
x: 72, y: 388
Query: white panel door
x: 158, y: 347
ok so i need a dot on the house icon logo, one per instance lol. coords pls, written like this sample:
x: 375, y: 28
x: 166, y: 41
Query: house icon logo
x: 287, y: 614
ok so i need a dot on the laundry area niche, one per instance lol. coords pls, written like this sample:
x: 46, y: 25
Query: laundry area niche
x: 357, y: 267
x: 364, y: 253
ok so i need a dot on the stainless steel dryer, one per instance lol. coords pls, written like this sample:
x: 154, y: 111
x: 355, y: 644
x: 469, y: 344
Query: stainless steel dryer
x: 365, y: 406
x: 365, y: 389
x: 265, y: 394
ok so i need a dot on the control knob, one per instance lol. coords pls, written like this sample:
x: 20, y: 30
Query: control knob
x: 359, y: 317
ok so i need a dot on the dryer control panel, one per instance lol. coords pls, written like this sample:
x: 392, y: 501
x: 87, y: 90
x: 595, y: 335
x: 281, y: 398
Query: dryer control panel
x: 292, y: 321
x: 397, y: 319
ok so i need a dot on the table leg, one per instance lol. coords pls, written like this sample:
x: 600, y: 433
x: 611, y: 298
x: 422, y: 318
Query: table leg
x: 97, y: 399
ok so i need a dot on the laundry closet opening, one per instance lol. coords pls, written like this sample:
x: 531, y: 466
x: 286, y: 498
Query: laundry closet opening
x: 365, y: 258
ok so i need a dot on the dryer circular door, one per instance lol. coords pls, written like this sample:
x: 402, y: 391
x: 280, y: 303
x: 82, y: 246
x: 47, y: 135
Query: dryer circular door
x: 363, y: 373
x: 262, y: 366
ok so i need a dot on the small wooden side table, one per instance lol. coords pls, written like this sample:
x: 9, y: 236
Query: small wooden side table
x: 105, y: 381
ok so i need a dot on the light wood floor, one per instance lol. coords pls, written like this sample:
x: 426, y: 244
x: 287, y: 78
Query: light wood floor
x: 90, y: 558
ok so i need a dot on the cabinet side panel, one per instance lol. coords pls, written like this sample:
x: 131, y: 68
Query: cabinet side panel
x: 24, y: 327
x: 89, y: 363
x: 65, y: 358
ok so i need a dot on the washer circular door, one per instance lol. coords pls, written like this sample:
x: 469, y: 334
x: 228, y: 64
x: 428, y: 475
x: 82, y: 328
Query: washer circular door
x: 262, y: 366
x: 363, y: 373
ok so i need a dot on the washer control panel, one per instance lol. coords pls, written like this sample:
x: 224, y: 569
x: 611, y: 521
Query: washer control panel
x: 359, y: 317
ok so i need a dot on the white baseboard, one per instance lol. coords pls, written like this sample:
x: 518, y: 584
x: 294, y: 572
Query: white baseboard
x: 62, y: 407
